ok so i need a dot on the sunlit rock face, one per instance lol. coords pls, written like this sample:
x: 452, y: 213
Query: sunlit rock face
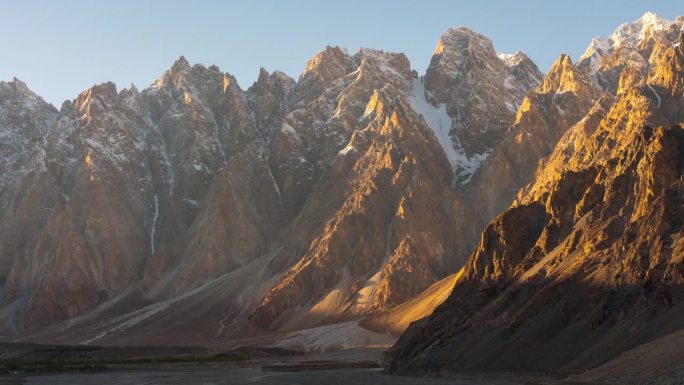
x: 588, y: 262
x: 199, y: 209
x: 626, y: 57
x: 353, y: 228
x: 562, y: 99
x: 399, y: 169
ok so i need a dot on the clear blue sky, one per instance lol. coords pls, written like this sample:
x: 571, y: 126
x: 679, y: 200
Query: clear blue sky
x: 61, y: 47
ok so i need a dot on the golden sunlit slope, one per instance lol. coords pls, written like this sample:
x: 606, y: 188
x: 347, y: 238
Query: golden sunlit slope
x: 589, y: 263
x: 397, y: 319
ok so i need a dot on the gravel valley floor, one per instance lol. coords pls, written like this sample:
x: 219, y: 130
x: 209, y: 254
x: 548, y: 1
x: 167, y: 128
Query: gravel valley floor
x: 220, y: 374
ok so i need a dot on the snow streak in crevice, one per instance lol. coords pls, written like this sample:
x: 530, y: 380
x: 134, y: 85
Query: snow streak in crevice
x: 654, y: 93
x: 155, y: 216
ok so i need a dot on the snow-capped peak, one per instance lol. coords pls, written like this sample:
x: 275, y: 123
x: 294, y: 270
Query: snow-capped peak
x: 181, y: 63
x: 630, y: 33
x: 626, y: 41
x: 650, y: 18
x: 330, y: 63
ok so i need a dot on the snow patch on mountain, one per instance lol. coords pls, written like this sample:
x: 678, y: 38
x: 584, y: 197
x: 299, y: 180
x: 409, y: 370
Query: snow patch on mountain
x: 349, y: 148
x: 153, y: 227
x: 441, y: 123
x: 437, y: 119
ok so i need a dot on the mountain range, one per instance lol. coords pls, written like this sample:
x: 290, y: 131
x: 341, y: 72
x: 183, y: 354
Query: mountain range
x: 496, y: 206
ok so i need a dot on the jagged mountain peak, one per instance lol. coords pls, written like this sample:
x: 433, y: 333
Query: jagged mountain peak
x: 264, y: 80
x: 105, y: 89
x: 563, y: 77
x: 457, y: 44
x: 263, y: 74
x: 377, y: 55
x: 21, y: 109
x: 133, y: 88
x: 563, y: 60
x: 181, y: 64
x: 522, y: 67
x: 459, y: 37
x: 182, y: 76
x: 25, y: 119
x: 18, y: 91
x: 282, y: 77
x: 461, y: 51
x: 104, y: 93
x: 327, y: 65
x: 279, y: 78
x: 230, y: 84
x: 523, y: 70
x: 389, y: 65
x: 650, y: 17
x: 15, y: 83
x: 598, y: 47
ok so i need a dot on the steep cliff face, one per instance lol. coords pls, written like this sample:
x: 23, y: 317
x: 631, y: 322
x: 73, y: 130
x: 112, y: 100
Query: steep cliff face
x: 481, y: 92
x: 209, y: 147
x: 562, y: 99
x: 25, y: 119
x: 93, y: 222
x: 588, y: 262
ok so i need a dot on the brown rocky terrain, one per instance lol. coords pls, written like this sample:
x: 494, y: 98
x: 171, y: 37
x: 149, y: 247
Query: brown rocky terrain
x: 588, y: 262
